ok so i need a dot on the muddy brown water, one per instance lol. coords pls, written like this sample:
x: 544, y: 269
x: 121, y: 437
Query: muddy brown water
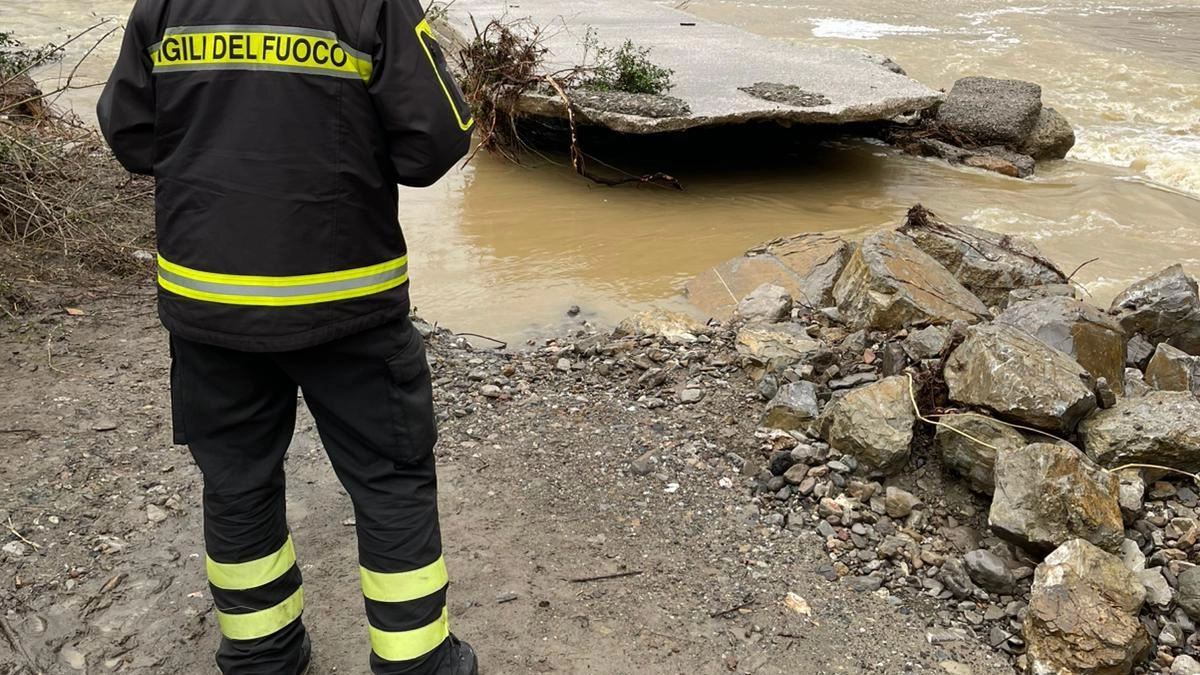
x: 506, y: 250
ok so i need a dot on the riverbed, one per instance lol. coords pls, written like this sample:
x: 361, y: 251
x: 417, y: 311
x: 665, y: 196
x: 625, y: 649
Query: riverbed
x: 506, y: 250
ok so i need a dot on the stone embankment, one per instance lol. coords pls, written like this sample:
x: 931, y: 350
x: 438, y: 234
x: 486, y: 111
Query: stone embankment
x: 934, y: 346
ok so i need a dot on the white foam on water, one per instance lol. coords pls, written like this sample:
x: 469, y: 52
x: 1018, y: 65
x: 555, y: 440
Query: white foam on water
x: 1172, y: 160
x: 853, y: 29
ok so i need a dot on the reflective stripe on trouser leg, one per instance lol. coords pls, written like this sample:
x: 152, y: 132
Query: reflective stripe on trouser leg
x: 407, y: 612
x: 257, y: 598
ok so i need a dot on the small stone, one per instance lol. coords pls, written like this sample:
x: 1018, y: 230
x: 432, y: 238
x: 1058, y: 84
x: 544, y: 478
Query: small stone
x: 503, y: 598
x: 927, y: 343
x: 1105, y: 396
x: 900, y: 503
x: 75, y: 659
x: 866, y: 584
x: 956, y: 668
x: 1185, y: 665
x: 643, y: 465
x: 1131, y: 494
x: 1132, y: 556
x: 690, y: 396
x: 1158, y: 591
x: 16, y: 549
x: 794, y: 408
x: 989, y: 571
x: 564, y: 365
x: 155, y: 514
x: 1171, y: 635
x: 105, y: 425
x: 1189, y: 592
x: 490, y: 391
x: 796, y: 474
x: 768, y: 304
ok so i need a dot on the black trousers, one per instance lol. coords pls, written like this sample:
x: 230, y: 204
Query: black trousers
x: 372, y: 399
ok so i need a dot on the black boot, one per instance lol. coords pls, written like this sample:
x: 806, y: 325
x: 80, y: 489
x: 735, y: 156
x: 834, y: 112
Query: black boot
x: 461, y: 660
x: 305, y: 656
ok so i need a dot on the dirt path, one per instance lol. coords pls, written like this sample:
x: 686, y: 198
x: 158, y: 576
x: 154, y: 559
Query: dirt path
x: 537, y: 490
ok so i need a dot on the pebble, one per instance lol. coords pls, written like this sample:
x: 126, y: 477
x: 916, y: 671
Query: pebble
x: 900, y: 503
x: 691, y: 396
x: 16, y: 549
x: 75, y: 659
x: 866, y: 584
x: 155, y: 514
x: 490, y: 391
x: 1185, y: 665
x: 564, y: 365
x: 956, y: 668
x: 989, y: 571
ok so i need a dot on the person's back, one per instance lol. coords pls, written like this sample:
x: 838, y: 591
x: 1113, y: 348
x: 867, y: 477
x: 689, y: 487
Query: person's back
x: 277, y: 133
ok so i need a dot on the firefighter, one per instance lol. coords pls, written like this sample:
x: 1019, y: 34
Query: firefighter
x: 277, y: 133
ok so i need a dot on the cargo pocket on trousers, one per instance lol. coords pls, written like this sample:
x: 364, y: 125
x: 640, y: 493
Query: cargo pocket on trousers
x: 178, y: 430
x: 413, y: 420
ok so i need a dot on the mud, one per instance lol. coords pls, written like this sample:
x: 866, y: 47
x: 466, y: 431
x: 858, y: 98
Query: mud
x: 537, y: 491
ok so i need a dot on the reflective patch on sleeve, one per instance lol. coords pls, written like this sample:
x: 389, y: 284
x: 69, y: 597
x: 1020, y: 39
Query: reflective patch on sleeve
x: 458, y: 103
x: 263, y: 48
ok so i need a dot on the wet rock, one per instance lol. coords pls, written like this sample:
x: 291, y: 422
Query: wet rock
x: 1020, y: 378
x: 989, y: 571
x: 805, y: 265
x: 653, y: 106
x: 1052, y: 136
x: 1173, y: 369
x: 1040, y: 292
x: 900, y: 503
x: 771, y: 349
x: 1002, y: 161
x: 666, y: 324
x: 1047, y: 494
x: 1106, y: 397
x: 873, y: 424
x: 975, y: 461
x: 991, y: 111
x: 767, y: 304
x: 1083, y: 614
x: 794, y: 408
x: 926, y: 343
x: 989, y: 264
x: 1188, y: 592
x: 889, y: 284
x: 1072, y: 326
x: 1163, y: 308
x: 1162, y: 428
x: 1138, y: 352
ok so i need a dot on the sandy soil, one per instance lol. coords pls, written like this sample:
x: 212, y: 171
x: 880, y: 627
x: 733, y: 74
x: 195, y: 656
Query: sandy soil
x: 537, y: 491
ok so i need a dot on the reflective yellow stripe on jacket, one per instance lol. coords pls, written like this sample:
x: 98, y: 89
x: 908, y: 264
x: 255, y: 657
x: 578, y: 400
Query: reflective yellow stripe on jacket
x: 272, y: 48
x: 269, y: 291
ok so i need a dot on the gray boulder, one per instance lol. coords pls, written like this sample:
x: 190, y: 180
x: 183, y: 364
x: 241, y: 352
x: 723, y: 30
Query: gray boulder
x: 767, y: 349
x: 975, y: 460
x: 1188, y: 594
x: 1163, y: 308
x: 992, y: 112
x: 989, y: 571
x: 1161, y: 428
x: 794, y: 408
x: 1173, y: 369
x: 1072, y: 326
x: 926, y: 343
x: 766, y: 304
x: 1047, y: 494
x: 889, y: 284
x: 873, y: 424
x: 990, y: 265
x: 1040, y: 292
x: 1052, y: 137
x: 1019, y: 378
x: 1083, y: 614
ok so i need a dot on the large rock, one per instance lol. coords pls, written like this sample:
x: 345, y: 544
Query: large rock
x: 674, y: 325
x: 793, y: 408
x: 1173, y: 369
x: 1189, y: 592
x: 992, y: 112
x: 1163, y: 308
x: 874, y: 424
x: 1049, y: 493
x: 975, y: 457
x: 1052, y: 137
x: 1083, y: 614
x: 1090, y: 336
x: 889, y: 284
x: 768, y: 304
x: 1019, y: 378
x: 1161, y: 428
x: 805, y: 265
x: 772, y: 348
x: 990, y: 265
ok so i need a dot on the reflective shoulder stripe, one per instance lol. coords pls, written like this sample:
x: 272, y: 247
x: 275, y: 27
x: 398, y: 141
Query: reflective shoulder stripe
x: 247, y: 575
x: 426, y: 38
x: 283, y: 291
x: 404, y: 586
x: 262, y: 623
x: 410, y: 644
x: 267, y: 48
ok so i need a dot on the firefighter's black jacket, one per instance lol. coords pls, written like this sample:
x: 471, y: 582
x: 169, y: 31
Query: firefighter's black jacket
x: 277, y: 132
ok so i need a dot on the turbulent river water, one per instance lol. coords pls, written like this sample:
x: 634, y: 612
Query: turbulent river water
x: 506, y: 250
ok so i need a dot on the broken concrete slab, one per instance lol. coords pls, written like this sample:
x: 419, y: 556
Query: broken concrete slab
x: 718, y: 84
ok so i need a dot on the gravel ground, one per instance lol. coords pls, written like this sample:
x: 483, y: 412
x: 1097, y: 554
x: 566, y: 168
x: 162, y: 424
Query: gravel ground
x: 560, y: 464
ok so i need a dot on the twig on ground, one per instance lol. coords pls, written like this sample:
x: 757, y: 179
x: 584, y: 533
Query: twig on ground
x: 1082, y: 265
x: 607, y: 577
x: 747, y: 602
x: 13, y: 530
